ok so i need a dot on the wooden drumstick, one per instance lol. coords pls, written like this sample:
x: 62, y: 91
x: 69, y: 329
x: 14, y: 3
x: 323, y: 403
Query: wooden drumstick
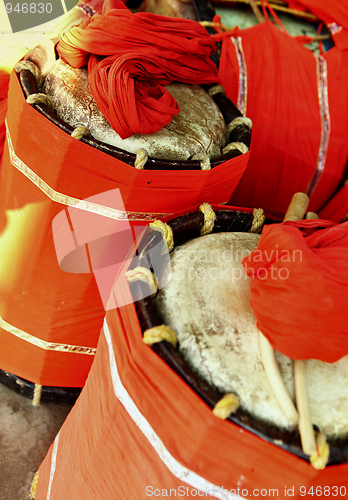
x: 295, y: 211
x: 275, y: 380
x: 311, y: 216
x: 297, y: 208
x: 305, y: 422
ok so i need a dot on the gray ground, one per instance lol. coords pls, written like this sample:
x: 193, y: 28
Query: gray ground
x: 26, y: 433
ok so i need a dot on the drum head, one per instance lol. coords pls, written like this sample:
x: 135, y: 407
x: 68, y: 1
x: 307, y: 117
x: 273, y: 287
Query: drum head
x: 206, y: 303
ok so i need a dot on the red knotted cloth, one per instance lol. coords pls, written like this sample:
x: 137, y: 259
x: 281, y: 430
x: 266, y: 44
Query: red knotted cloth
x: 299, y: 288
x: 131, y: 56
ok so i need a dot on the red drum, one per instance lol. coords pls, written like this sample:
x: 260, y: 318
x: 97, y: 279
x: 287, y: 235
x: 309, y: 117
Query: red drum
x: 156, y: 420
x: 50, y: 319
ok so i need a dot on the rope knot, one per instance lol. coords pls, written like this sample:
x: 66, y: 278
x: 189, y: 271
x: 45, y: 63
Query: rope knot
x: 79, y: 132
x: 145, y: 276
x: 34, y: 70
x: 166, y: 231
x: 258, y: 220
x: 239, y: 146
x: 159, y: 333
x: 39, y: 99
x: 209, y: 218
x: 205, y: 160
x: 226, y: 406
x: 141, y: 158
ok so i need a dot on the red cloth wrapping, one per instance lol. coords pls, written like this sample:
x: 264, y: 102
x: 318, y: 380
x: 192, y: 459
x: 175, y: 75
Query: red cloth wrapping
x: 333, y: 12
x: 36, y: 296
x: 299, y: 288
x: 298, y: 139
x: 4, y: 83
x: 144, y: 52
x: 337, y: 208
x: 107, y: 443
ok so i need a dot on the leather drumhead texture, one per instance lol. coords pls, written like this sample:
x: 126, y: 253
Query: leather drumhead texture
x: 198, y: 128
x: 206, y: 302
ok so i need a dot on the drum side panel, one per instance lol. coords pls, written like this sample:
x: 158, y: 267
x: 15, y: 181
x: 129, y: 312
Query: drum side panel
x: 103, y: 441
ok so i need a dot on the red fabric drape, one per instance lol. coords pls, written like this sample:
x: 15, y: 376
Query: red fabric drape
x: 298, y: 103
x: 299, y: 288
x: 337, y: 208
x: 4, y: 83
x: 131, y: 56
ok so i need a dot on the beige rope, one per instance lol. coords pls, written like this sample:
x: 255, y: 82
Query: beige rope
x: 217, y: 89
x: 259, y: 219
x: 37, y: 395
x: 33, y: 487
x: 226, y: 406
x: 39, y: 99
x: 34, y: 70
x: 204, y: 159
x: 80, y: 132
x: 239, y: 146
x: 159, y: 333
x: 209, y: 218
x: 145, y: 275
x: 141, y: 158
x: 240, y: 120
x: 166, y: 231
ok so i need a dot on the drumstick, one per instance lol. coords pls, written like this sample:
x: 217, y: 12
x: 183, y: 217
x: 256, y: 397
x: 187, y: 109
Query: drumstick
x: 275, y: 380
x: 305, y: 422
x: 319, y: 455
x: 311, y: 215
x: 295, y: 211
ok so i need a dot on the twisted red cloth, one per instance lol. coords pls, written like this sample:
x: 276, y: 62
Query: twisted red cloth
x: 131, y: 56
x: 299, y: 288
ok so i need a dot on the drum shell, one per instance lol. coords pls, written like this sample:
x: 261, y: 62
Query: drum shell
x: 143, y: 417
x: 36, y: 296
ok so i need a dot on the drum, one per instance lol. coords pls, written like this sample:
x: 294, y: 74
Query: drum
x: 160, y: 399
x: 52, y: 169
x: 206, y: 304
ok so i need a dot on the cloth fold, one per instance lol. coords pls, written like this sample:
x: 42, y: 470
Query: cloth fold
x: 131, y: 57
x: 299, y: 288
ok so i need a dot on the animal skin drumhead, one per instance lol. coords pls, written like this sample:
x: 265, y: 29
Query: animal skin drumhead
x: 206, y: 302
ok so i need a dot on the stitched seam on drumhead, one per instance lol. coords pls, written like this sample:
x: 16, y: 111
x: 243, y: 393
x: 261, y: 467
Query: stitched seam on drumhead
x: 178, y: 470
x: 63, y: 199
x: 43, y: 344
x: 325, y: 123
x: 53, y: 466
x: 243, y: 77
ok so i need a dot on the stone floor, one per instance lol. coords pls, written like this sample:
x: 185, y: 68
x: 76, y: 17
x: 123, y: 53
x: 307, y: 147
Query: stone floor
x: 26, y: 433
